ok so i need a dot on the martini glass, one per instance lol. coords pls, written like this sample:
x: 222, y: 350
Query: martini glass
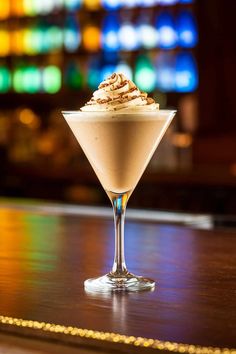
x: 119, y: 147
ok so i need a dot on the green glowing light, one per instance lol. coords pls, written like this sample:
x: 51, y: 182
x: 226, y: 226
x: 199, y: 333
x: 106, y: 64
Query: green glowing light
x: 37, y: 40
x: 93, y: 79
x: 74, y: 77
x: 5, y: 79
x: 33, y: 41
x: 144, y: 76
x: 51, y: 79
x: 18, y: 76
x: 31, y: 79
x: 54, y: 38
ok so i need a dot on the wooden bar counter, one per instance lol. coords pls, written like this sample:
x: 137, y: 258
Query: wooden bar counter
x: 48, y: 250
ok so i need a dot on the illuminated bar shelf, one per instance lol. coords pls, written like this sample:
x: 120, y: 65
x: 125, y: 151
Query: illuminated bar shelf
x: 54, y: 53
x: 60, y: 41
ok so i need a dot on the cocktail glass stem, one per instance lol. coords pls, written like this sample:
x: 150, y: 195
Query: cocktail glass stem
x: 119, y: 278
x: 119, y: 202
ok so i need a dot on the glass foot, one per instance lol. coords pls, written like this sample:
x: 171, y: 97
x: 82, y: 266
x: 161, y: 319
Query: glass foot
x: 117, y: 282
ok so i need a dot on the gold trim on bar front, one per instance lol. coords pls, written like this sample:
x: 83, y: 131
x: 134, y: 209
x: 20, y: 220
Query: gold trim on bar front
x: 115, y: 337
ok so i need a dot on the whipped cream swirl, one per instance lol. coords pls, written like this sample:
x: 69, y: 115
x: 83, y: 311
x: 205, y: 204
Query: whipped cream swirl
x: 119, y: 93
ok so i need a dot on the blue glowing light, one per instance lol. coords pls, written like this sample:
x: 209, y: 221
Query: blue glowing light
x: 124, y: 68
x: 147, y: 3
x: 186, y: 76
x: 167, y: 2
x: 44, y: 38
x: 130, y: 3
x: 128, y: 37
x: 165, y: 72
x: 166, y: 30
x: 107, y: 70
x: 187, y: 29
x: 111, y: 4
x: 110, y: 30
x: 147, y: 33
x: 186, y: 1
x: 72, y: 35
x: 73, y: 4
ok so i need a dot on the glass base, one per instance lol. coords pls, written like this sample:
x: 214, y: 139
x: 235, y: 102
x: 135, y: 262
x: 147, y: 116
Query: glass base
x: 117, y: 282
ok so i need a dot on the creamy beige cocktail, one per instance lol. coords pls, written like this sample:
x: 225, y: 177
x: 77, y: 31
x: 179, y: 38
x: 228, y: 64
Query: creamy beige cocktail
x: 119, y: 130
x: 118, y: 146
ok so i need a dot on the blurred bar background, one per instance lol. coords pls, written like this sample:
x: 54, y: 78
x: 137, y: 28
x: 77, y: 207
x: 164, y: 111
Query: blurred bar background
x: 54, y: 53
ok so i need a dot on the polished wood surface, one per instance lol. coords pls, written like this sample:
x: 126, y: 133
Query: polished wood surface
x: 46, y: 254
x: 10, y: 344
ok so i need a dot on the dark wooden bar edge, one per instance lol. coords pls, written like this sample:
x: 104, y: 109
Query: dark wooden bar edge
x: 105, y: 340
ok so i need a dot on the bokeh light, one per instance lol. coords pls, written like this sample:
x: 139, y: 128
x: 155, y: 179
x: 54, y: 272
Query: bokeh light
x: 73, y: 75
x: 31, y: 82
x: 34, y: 40
x: 54, y: 38
x: 51, y: 79
x: 186, y: 1
x: 186, y: 77
x: 110, y: 30
x: 4, y: 9
x: 17, y: 8
x: 18, y: 76
x: 73, y: 4
x: 107, y: 70
x: 72, y: 35
x: 93, y: 74
x: 166, y: 30
x: 4, y: 42
x: 111, y: 4
x: 147, y: 34
x: 124, y: 68
x: 187, y: 29
x: 144, y: 75
x: 91, y: 37
x: 129, y: 3
x: 92, y: 5
x: 17, y: 42
x: 167, y: 2
x: 146, y: 3
x: 43, y: 7
x: 165, y: 72
x: 5, y: 79
x: 128, y: 36
x: 29, y: 8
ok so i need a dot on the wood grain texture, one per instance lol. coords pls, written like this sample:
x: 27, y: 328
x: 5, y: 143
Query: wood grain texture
x: 45, y: 257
